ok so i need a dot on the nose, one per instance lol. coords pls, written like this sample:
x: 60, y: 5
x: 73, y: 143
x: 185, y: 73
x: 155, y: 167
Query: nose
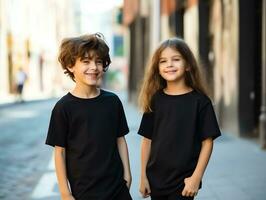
x: 93, y: 66
x: 169, y: 63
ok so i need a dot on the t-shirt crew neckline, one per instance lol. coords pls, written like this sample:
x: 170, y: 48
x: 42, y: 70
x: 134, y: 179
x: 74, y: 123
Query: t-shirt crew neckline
x: 176, y: 95
x: 86, y: 99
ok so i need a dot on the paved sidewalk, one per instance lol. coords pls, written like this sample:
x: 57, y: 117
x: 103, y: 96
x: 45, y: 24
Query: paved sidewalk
x: 11, y: 99
x: 236, y: 171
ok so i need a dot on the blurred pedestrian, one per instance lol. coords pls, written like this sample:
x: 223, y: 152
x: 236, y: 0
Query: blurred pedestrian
x: 87, y: 127
x: 21, y: 78
x: 178, y: 125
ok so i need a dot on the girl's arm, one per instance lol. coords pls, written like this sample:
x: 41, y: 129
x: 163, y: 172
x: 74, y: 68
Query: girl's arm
x: 145, y: 154
x: 123, y: 151
x: 60, y: 168
x: 192, y: 183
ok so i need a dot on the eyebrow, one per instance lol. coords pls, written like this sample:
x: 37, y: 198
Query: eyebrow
x: 91, y: 57
x: 177, y: 55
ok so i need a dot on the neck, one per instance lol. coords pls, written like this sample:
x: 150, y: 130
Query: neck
x: 177, y: 88
x: 85, y: 92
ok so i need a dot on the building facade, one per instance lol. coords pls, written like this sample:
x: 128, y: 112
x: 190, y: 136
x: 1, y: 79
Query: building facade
x: 30, y: 32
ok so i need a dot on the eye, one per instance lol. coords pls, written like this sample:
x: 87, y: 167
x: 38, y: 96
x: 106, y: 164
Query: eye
x: 176, y: 59
x: 98, y: 61
x: 162, y: 61
x: 86, y: 61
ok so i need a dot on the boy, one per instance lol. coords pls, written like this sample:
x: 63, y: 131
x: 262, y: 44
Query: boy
x: 87, y: 127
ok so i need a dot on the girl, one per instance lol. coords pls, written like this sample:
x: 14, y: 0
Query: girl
x: 178, y: 125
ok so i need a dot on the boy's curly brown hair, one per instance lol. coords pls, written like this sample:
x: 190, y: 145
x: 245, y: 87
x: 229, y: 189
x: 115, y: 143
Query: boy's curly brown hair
x: 74, y: 48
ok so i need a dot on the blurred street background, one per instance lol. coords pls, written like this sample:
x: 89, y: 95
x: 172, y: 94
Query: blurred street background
x: 227, y: 37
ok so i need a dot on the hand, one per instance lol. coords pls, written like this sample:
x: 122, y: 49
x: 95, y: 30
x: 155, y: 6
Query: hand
x: 144, y: 187
x: 191, y: 187
x: 128, y: 180
x: 68, y: 197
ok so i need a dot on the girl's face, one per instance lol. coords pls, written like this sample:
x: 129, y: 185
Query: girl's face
x: 172, y: 66
x: 88, y: 71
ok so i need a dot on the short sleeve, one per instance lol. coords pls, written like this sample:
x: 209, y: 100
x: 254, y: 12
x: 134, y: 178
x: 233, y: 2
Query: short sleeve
x: 122, y: 122
x: 146, y: 125
x: 208, y: 125
x: 58, y: 128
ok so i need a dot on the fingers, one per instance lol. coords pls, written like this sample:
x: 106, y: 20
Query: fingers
x: 148, y: 191
x: 189, y: 193
x: 144, y: 188
x: 128, y: 185
x: 145, y: 192
x: 190, y: 189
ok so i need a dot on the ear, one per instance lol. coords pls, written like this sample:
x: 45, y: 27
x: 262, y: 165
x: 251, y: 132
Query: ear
x: 187, y: 68
x: 71, y: 68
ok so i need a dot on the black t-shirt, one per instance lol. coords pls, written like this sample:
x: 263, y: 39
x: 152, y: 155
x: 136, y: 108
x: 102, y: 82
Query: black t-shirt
x: 88, y: 129
x: 177, y: 126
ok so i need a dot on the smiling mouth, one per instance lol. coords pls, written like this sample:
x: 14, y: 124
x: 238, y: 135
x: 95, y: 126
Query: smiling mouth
x: 92, y: 74
x: 170, y: 72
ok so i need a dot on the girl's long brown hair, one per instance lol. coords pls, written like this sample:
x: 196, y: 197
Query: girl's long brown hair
x: 153, y: 82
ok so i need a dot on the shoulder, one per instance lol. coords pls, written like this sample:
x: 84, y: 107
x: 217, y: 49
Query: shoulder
x: 109, y: 95
x: 202, y: 99
x: 62, y: 103
x: 156, y: 96
x: 155, y: 99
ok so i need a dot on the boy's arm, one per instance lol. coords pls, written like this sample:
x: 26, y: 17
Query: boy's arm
x: 123, y: 152
x: 192, y: 183
x: 60, y: 167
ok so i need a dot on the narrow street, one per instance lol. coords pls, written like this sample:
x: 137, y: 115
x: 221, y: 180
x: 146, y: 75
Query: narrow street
x: 229, y: 47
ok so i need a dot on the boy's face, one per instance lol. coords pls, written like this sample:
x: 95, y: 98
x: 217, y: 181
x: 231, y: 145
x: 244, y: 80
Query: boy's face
x: 88, y: 71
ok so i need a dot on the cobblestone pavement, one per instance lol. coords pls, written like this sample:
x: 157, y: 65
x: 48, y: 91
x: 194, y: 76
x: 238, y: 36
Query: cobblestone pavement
x: 23, y: 156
